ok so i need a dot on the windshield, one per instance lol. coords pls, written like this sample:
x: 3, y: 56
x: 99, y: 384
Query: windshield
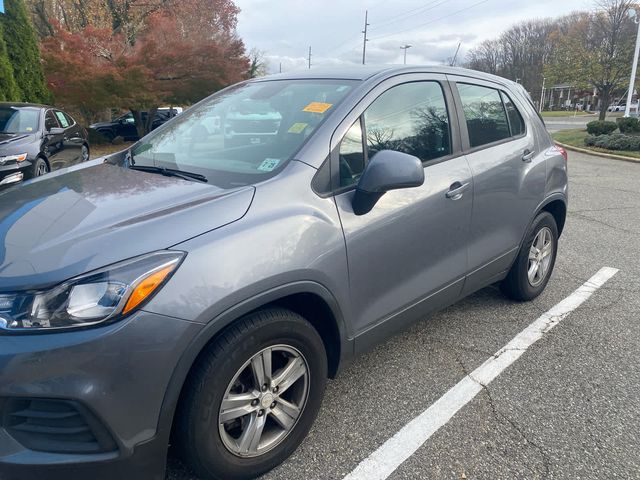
x: 18, y: 120
x: 243, y: 135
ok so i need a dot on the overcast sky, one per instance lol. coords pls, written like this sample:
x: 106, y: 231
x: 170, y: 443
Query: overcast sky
x: 284, y: 29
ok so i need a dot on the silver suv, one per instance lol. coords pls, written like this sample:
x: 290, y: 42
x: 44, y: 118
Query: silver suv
x: 198, y: 293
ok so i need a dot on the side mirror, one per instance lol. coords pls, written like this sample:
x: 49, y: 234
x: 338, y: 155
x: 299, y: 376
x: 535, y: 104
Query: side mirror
x: 55, y: 131
x: 387, y: 170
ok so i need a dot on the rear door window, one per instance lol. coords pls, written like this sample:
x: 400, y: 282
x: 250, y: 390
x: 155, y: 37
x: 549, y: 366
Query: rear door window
x: 484, y: 113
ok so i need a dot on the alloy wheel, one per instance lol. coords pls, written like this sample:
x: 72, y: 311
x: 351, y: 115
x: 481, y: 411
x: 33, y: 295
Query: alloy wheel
x: 264, y: 401
x: 540, y: 256
x: 41, y: 169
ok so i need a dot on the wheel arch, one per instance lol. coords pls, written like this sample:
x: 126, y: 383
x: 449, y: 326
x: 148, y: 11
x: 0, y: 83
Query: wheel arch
x: 309, y: 299
x: 44, y: 157
x: 556, y: 206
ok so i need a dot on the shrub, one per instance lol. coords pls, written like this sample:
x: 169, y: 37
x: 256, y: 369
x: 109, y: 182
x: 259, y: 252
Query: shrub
x: 9, y: 91
x: 617, y: 141
x: 628, y: 125
x: 598, y: 127
x: 24, y: 52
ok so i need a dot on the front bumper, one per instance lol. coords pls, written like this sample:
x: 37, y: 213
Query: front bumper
x: 14, y: 173
x: 117, y: 375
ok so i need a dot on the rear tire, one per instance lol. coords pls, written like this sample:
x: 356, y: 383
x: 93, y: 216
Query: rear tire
x: 209, y: 432
x: 532, y: 269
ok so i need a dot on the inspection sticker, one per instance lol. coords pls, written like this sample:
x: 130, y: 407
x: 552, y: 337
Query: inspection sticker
x: 298, y: 127
x: 269, y: 164
x: 317, y: 107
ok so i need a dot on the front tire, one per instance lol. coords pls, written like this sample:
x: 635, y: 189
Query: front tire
x: 532, y: 269
x: 84, y: 153
x: 252, y: 396
x: 40, y: 167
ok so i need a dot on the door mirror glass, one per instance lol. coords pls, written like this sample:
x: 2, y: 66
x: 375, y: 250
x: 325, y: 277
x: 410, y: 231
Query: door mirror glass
x: 387, y: 170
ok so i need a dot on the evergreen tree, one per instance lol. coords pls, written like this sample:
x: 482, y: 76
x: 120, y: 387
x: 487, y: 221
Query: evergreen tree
x: 24, y: 54
x: 8, y: 88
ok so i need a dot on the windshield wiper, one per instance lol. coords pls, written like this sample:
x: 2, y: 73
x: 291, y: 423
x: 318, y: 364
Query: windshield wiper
x: 170, y: 172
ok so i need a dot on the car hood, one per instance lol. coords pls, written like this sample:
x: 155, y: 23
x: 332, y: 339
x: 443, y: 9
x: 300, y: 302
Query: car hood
x: 11, y: 143
x: 85, y: 218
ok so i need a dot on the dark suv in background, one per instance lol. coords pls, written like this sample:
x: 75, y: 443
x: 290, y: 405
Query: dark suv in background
x: 125, y: 125
x: 37, y: 139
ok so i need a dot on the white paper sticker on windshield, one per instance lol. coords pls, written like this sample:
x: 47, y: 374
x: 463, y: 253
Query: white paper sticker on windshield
x: 269, y: 164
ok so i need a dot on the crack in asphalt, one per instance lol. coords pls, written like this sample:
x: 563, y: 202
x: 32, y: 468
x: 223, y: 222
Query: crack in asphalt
x: 600, y: 222
x: 605, y: 287
x: 595, y: 210
x: 497, y: 413
x: 606, y: 187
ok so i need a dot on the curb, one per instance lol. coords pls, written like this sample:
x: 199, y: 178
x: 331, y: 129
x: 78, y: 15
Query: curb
x: 598, y: 154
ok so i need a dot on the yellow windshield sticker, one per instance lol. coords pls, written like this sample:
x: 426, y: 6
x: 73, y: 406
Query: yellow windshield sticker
x: 317, y: 107
x: 298, y: 127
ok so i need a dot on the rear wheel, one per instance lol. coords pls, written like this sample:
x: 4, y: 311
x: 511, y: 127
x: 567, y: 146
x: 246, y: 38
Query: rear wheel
x: 532, y: 269
x: 252, y: 397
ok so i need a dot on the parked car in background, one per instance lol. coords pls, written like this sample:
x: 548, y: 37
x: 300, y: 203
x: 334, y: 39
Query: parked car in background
x: 125, y: 125
x: 251, y: 123
x: 620, y: 107
x: 37, y: 139
x: 200, y: 295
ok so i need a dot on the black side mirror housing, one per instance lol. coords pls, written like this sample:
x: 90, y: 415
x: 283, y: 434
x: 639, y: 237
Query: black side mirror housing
x: 55, y: 131
x: 387, y: 170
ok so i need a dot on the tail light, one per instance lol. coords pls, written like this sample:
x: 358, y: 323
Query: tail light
x: 563, y: 152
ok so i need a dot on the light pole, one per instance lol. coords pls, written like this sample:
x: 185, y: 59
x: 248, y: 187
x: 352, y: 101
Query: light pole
x: 542, y: 94
x: 405, y: 48
x: 364, y: 43
x: 634, y: 68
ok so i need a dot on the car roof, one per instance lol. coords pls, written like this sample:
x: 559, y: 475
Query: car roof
x: 366, y: 72
x: 23, y: 105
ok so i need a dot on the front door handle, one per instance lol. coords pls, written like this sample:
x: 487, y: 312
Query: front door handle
x: 527, y: 156
x: 456, y: 190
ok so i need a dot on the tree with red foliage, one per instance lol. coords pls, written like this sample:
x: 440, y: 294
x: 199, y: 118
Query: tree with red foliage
x: 183, y: 53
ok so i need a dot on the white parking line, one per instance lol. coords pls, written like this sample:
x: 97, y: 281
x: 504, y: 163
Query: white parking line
x: 386, y: 459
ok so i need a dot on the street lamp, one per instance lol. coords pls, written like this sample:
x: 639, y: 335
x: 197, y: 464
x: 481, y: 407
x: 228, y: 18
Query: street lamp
x: 634, y: 68
x: 405, y: 48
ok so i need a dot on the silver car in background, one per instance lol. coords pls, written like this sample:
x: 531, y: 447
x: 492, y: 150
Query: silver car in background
x: 200, y: 292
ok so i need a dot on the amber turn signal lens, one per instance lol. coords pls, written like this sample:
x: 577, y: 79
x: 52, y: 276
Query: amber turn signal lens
x: 146, y: 287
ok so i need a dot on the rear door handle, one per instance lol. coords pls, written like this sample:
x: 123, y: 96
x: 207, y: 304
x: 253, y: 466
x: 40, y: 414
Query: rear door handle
x: 456, y: 190
x: 528, y: 155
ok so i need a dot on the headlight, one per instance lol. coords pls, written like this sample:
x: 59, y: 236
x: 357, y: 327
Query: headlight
x: 13, y: 158
x: 102, y: 296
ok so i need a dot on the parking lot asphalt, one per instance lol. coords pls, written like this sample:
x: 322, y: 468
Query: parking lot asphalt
x: 567, y: 408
